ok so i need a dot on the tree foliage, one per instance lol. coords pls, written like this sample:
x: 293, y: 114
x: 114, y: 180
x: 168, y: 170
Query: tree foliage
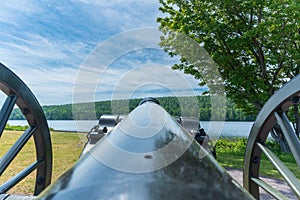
x: 170, y: 104
x: 255, y: 43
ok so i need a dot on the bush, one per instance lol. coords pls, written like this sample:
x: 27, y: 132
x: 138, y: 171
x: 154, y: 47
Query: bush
x: 231, y: 145
x: 20, y: 128
x: 16, y: 128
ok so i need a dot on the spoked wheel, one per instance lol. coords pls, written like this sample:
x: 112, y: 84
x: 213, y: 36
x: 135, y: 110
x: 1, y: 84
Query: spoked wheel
x: 19, y: 94
x: 273, y: 113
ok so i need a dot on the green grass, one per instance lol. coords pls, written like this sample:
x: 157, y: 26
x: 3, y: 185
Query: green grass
x: 68, y: 146
x: 231, y: 151
x: 66, y: 150
x: 15, y: 128
x: 19, y: 127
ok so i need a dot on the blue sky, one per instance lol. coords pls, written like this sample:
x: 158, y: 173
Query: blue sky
x: 48, y: 42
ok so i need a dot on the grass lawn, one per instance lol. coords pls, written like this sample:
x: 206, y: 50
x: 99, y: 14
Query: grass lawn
x: 68, y: 146
x: 66, y: 150
x: 231, y: 151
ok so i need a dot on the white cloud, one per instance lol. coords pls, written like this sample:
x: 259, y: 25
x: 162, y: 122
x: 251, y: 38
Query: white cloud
x: 51, y: 86
x: 125, y: 14
x: 139, y: 81
x: 47, y: 67
x: 46, y: 43
x: 14, y: 10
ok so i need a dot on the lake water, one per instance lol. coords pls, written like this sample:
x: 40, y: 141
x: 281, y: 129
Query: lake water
x: 214, y: 129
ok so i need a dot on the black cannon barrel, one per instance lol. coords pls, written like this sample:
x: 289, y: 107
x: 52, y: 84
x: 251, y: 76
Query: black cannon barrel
x: 146, y: 156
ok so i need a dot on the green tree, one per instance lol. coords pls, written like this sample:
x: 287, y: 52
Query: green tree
x: 255, y: 43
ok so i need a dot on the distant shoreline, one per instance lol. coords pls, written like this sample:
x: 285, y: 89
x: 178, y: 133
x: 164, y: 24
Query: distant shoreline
x: 205, y: 109
x: 227, y: 128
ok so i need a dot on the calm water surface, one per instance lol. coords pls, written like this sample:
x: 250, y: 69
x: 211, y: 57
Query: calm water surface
x: 214, y: 129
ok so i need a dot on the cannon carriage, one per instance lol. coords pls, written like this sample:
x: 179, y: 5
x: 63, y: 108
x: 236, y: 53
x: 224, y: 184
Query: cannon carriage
x: 149, y: 171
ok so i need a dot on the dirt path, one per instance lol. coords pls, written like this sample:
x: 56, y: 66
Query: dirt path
x: 276, y: 183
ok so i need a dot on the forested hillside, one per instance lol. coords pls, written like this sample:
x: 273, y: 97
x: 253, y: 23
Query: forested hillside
x: 171, y: 104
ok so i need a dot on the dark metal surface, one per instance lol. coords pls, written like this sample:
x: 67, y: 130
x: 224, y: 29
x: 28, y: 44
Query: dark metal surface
x: 266, y: 119
x: 6, y: 110
x: 10, y: 155
x: 19, y: 177
x: 113, y: 169
x: 189, y: 124
x: 18, y: 93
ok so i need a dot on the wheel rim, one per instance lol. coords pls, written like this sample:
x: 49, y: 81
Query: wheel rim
x: 273, y: 112
x: 19, y: 94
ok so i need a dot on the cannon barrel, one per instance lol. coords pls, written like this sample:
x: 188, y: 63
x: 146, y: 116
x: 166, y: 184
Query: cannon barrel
x: 148, y: 155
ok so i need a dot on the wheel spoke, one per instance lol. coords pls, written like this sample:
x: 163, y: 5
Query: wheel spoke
x: 6, y: 111
x: 17, y: 93
x: 289, y: 135
x: 271, y: 117
x: 15, y: 149
x: 290, y: 178
x: 275, y: 193
x: 20, y: 176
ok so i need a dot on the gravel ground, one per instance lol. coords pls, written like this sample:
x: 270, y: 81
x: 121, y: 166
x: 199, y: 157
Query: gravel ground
x: 276, y: 183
